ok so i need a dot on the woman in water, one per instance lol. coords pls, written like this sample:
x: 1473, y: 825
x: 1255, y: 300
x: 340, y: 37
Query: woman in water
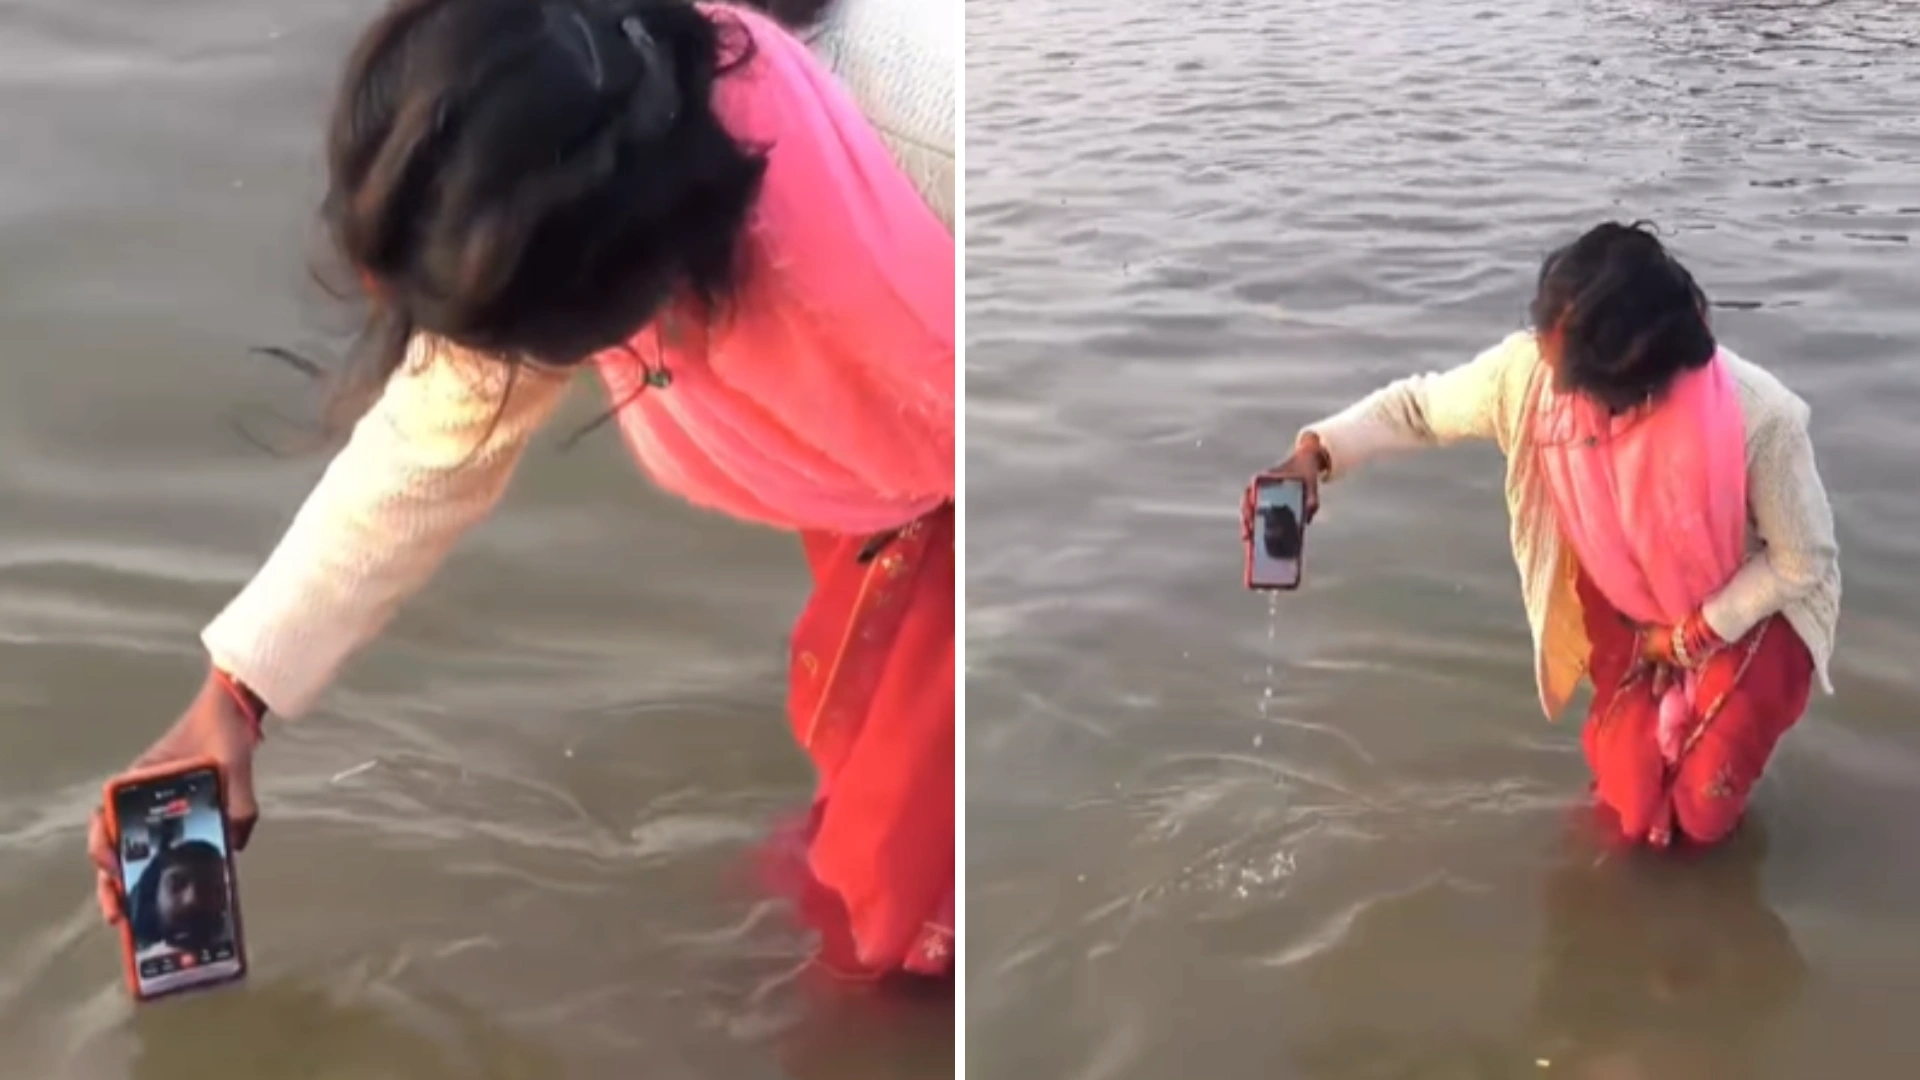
x: 1672, y: 533
x: 683, y: 198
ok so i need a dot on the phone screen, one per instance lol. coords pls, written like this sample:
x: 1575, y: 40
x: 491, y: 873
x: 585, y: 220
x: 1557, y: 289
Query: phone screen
x: 1279, y: 525
x: 177, y: 879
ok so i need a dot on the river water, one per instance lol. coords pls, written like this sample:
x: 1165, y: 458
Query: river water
x: 576, y: 735
x: 1335, y: 838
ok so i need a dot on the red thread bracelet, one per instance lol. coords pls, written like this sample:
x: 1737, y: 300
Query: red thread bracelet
x: 249, y: 703
x: 1699, y: 638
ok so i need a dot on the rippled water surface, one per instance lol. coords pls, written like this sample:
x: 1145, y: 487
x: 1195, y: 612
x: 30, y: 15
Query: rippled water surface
x: 576, y: 735
x: 1335, y: 839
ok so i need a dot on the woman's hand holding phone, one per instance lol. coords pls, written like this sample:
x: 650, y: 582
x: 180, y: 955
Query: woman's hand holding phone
x: 1307, y: 464
x: 213, y: 728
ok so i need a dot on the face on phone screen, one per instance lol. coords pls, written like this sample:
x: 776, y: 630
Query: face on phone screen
x: 178, y: 882
x: 1278, y: 524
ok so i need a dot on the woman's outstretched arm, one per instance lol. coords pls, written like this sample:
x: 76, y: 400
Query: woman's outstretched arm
x: 1471, y: 401
x: 428, y: 461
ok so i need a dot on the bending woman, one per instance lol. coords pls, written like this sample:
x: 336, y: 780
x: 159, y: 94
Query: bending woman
x: 1673, y: 536
x: 684, y: 199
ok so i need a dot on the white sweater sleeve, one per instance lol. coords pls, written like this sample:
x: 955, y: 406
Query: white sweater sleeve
x: 427, y: 462
x: 900, y: 60
x: 1794, y: 521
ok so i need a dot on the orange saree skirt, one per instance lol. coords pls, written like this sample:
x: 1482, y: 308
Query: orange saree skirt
x: 870, y: 697
x: 1750, y: 693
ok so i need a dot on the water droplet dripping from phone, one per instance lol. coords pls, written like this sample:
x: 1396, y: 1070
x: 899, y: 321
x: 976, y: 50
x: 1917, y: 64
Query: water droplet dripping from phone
x: 1273, y: 637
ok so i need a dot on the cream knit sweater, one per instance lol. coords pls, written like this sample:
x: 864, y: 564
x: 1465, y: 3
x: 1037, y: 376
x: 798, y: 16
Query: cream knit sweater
x: 1793, y: 566
x: 434, y: 455
x: 897, y: 58
x: 424, y: 466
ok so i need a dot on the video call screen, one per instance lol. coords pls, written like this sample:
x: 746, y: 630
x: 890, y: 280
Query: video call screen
x: 1280, y: 514
x: 178, y: 883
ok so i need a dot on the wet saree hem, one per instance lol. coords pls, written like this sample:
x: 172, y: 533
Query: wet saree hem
x: 870, y: 699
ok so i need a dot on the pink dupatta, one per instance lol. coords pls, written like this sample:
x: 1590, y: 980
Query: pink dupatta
x: 823, y: 399
x: 1654, y: 503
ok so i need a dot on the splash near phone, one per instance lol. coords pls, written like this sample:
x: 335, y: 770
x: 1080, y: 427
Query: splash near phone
x: 182, y: 924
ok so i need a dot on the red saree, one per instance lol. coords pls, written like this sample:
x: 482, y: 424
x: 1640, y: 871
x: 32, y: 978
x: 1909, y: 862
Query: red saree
x: 1750, y: 693
x: 870, y: 698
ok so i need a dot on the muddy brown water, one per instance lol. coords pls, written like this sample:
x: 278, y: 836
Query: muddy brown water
x: 576, y: 735
x: 1333, y: 839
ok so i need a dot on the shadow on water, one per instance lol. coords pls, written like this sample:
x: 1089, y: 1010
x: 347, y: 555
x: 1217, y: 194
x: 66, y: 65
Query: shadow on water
x: 1648, y: 968
x: 902, y: 1029
x: 1679, y: 964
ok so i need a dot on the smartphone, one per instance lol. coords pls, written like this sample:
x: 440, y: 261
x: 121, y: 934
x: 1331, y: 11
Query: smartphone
x: 181, y: 925
x: 1278, y: 538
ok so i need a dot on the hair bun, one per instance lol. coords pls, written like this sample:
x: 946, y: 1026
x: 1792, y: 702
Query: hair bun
x: 622, y: 62
x: 656, y: 94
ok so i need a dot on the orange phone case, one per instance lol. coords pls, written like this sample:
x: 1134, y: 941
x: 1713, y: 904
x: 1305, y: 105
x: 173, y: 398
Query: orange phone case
x: 112, y: 815
x: 1247, y: 541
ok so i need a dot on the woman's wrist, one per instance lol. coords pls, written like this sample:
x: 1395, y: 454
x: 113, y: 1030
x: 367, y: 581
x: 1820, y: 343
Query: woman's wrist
x: 1694, y: 640
x: 1309, y: 443
x: 239, y: 697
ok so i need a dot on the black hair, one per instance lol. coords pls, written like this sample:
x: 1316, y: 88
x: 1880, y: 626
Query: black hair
x: 533, y: 180
x: 1280, y: 535
x: 1628, y: 318
x: 793, y: 14
x: 199, y: 858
